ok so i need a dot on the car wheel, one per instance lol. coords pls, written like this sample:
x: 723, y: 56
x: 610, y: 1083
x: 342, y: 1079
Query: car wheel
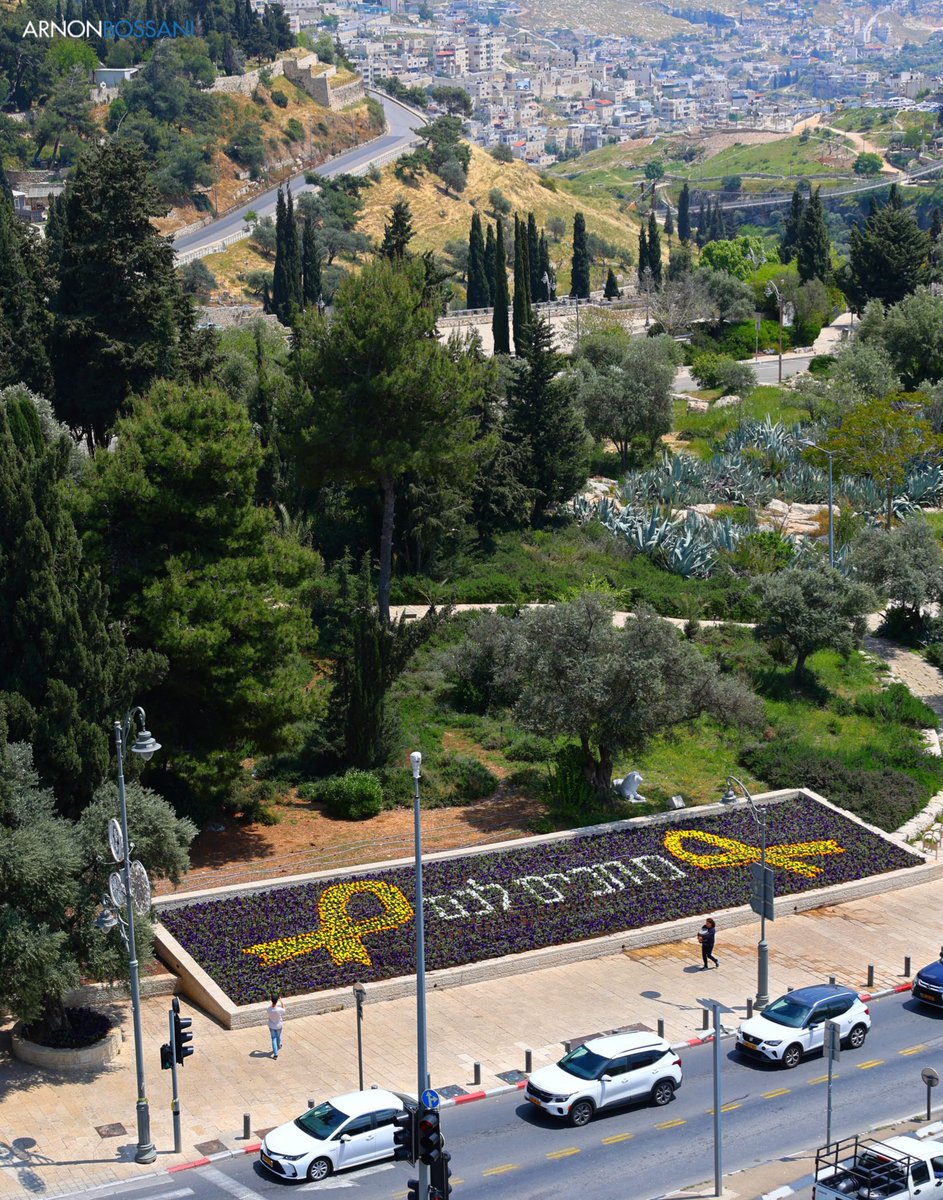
x: 792, y: 1056
x: 857, y: 1036
x: 319, y: 1169
x: 662, y: 1092
x: 581, y: 1113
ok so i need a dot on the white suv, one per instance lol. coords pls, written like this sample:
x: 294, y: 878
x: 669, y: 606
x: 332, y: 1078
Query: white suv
x: 604, y: 1072
x: 795, y: 1023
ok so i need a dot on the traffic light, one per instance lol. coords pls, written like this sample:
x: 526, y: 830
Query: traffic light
x: 439, y: 1178
x: 166, y: 1057
x: 430, y: 1138
x: 413, y: 1193
x: 404, y: 1136
x: 181, y: 1037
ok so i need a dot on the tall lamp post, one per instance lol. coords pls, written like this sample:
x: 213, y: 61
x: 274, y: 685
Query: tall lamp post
x: 360, y: 993
x: 773, y: 290
x: 830, y: 454
x: 421, y: 1044
x: 145, y: 746
x: 762, y: 950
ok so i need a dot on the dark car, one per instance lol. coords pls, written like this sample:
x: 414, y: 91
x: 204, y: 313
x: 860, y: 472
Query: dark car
x: 927, y: 986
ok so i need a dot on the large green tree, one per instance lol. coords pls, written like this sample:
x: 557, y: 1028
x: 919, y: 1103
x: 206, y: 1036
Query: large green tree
x: 684, y: 215
x: 789, y: 239
x: 64, y: 666
x: 24, y: 325
x: 888, y: 255
x: 381, y: 398
x: 478, y: 295
x: 199, y: 574
x: 904, y: 564
x: 522, y: 312
x: 813, y: 247
x: 120, y: 316
x: 579, y: 265
x: 500, y: 317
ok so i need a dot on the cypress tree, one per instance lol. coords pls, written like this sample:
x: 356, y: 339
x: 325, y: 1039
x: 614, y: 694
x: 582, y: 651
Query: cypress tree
x: 684, y: 215
x: 611, y: 290
x: 310, y: 265
x: 669, y: 223
x: 397, y: 231
x: 579, y: 274
x: 280, y: 288
x: 813, y: 249
x: 889, y: 255
x: 718, y: 230
x: 478, y: 292
x: 894, y: 198
x: 701, y: 237
x: 533, y: 255
x: 522, y: 314
x: 24, y: 325
x: 543, y: 266
x: 490, y: 260
x: 499, y: 318
x: 654, y: 249
x: 643, y: 263
x: 790, y: 235
x: 292, y: 253
x: 936, y: 224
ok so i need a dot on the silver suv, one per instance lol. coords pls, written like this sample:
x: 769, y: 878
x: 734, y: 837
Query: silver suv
x: 604, y: 1072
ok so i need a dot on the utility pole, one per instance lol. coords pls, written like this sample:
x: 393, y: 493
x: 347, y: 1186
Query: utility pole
x: 422, y: 1052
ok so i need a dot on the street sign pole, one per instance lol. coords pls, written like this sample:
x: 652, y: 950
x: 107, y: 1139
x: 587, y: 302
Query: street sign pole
x: 832, y: 1046
x: 175, y: 1095
x: 931, y: 1078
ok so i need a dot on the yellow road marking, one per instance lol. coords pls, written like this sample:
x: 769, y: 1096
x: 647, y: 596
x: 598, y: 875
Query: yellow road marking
x: 617, y: 1137
x: 671, y: 1124
x: 874, y: 1062
x: 724, y: 1108
x: 564, y: 1153
x: 912, y: 1049
x: 823, y: 1078
x: 503, y: 1169
x: 778, y: 1092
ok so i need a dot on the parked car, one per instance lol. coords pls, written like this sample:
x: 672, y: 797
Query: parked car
x: 928, y: 983
x: 346, y: 1131
x: 791, y: 1026
x: 604, y: 1072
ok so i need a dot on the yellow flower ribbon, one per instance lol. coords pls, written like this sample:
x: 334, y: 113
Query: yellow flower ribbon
x: 338, y: 934
x: 788, y: 855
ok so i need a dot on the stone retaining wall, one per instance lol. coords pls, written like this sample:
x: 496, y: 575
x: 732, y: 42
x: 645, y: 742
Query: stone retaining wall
x: 50, y: 1059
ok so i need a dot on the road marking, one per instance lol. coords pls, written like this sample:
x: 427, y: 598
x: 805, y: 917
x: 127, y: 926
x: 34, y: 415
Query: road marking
x: 173, y: 1195
x: 617, y: 1137
x: 564, y: 1153
x: 874, y: 1062
x: 913, y: 1049
x: 671, y: 1124
x: 778, y: 1092
x: 724, y: 1108
x: 225, y: 1184
x: 823, y: 1078
x: 503, y: 1169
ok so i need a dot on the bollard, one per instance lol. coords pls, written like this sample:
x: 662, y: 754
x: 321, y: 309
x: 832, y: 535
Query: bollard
x: 706, y: 1019
x: 907, y: 966
x: 477, y: 1074
x: 661, y: 1027
x: 870, y: 975
x: 789, y: 988
x: 749, y: 1007
x: 246, y: 1126
x: 566, y: 1047
x: 310, y: 1104
x: 831, y: 980
x: 528, y: 1062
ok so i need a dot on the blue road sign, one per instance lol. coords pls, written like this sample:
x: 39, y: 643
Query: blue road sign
x: 430, y: 1098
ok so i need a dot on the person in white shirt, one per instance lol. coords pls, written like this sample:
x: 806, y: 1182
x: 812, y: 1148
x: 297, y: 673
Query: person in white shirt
x: 276, y: 1023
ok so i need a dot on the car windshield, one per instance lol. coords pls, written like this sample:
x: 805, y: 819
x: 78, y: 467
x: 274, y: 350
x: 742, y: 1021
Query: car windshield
x: 583, y: 1063
x: 321, y: 1122
x: 786, y: 1011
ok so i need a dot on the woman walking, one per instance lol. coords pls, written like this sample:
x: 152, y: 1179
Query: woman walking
x: 276, y: 1023
x: 706, y: 938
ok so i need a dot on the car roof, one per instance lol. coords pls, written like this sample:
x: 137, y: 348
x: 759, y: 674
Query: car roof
x: 816, y: 992
x: 355, y: 1104
x: 623, y: 1043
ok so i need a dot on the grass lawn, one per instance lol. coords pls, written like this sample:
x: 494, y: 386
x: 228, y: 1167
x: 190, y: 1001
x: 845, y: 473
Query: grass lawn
x: 788, y: 157
x: 700, y: 430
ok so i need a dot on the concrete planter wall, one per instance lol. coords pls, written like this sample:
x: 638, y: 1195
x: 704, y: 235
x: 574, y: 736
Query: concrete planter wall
x: 51, y: 1059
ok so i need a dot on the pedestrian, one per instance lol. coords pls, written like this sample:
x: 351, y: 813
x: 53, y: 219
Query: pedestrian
x: 706, y: 938
x: 276, y: 1023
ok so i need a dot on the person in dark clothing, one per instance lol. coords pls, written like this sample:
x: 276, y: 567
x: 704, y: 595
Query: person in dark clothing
x: 706, y: 938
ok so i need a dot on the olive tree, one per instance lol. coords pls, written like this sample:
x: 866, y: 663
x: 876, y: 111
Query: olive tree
x: 904, y: 564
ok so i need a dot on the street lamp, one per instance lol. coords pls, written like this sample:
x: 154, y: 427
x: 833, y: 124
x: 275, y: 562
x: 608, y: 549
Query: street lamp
x: 131, y: 890
x: 773, y: 290
x: 830, y: 454
x: 360, y: 993
x: 421, y: 1045
x: 545, y: 280
x: 762, y: 950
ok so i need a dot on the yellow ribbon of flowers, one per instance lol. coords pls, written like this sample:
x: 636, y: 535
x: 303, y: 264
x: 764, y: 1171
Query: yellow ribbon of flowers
x: 789, y: 855
x: 338, y: 933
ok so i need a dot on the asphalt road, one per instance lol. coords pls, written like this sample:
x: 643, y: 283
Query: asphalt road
x: 400, y: 125
x: 501, y: 1147
x: 766, y: 367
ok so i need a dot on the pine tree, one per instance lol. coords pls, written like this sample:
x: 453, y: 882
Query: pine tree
x: 311, y: 285
x: 545, y: 269
x: 500, y: 316
x: 490, y: 260
x: 533, y: 255
x: 24, y: 325
x: 398, y: 231
x: 522, y: 314
x: 790, y: 235
x: 813, y: 250
x: 611, y: 290
x: 654, y: 249
x: 644, y: 267
x: 579, y: 275
x: 478, y: 295
x: 684, y: 215
x: 894, y: 198
x: 889, y: 255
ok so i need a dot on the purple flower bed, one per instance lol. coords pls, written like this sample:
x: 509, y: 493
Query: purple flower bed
x: 486, y: 905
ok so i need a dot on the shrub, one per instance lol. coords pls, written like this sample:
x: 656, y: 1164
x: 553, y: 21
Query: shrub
x: 353, y: 796
x: 899, y: 705
x: 82, y: 1027
x: 706, y: 368
x: 821, y: 364
x: 737, y: 378
x: 294, y: 130
x: 464, y: 779
x: 253, y: 798
x: 279, y: 99
x: 528, y: 748
x: 934, y: 655
x: 740, y: 340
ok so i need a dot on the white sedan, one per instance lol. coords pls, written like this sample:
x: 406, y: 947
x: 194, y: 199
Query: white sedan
x: 346, y: 1131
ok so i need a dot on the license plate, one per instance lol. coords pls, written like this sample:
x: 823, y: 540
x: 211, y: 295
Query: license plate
x: 265, y: 1158
x: 534, y: 1101
x: 928, y: 996
x: 750, y: 1045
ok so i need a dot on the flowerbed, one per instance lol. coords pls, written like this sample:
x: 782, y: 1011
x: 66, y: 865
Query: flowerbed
x: 334, y: 932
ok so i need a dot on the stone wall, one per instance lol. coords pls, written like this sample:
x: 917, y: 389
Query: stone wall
x: 247, y: 83
x: 314, y: 77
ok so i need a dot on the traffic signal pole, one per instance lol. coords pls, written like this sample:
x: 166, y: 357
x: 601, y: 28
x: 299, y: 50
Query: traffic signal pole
x: 175, y: 1095
x: 421, y: 1043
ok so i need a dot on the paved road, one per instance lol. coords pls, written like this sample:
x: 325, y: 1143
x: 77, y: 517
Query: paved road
x: 400, y: 125
x: 766, y: 367
x: 500, y: 1146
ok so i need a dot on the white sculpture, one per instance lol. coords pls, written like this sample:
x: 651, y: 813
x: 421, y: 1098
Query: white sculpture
x: 628, y: 787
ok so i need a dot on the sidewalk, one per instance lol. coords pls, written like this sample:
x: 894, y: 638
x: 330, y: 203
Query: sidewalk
x: 50, y: 1139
